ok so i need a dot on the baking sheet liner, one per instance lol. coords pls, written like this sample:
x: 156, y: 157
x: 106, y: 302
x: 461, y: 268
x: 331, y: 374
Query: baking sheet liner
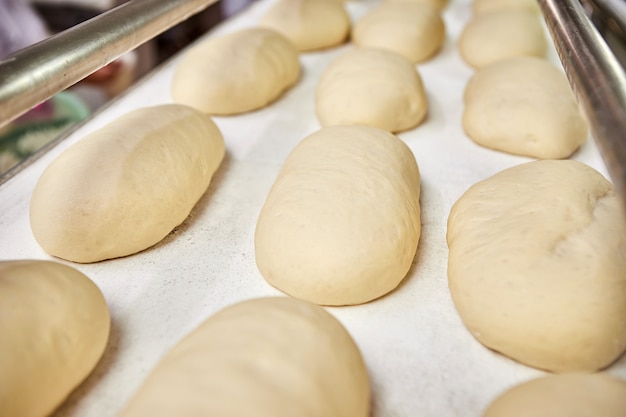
x: 421, y: 359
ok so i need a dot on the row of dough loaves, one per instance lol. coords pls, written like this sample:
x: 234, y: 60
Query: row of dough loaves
x: 412, y: 28
x: 100, y: 218
x: 517, y: 102
x: 536, y: 252
x: 55, y: 325
x: 250, y: 68
x: 203, y: 374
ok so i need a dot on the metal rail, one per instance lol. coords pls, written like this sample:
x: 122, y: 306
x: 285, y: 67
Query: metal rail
x: 597, y: 79
x: 48, y: 67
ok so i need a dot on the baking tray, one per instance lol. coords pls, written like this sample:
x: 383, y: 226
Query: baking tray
x: 422, y: 361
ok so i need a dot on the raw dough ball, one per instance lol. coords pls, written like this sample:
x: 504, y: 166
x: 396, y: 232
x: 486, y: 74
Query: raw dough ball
x: 486, y: 6
x: 493, y: 36
x: 267, y: 357
x: 54, y: 327
x: 123, y: 188
x: 236, y: 73
x: 372, y: 87
x: 524, y: 106
x: 309, y: 24
x: 537, y: 265
x: 573, y: 395
x: 414, y: 30
x: 341, y: 223
x: 439, y: 4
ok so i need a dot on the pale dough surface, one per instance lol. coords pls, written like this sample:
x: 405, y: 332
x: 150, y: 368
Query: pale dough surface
x: 439, y: 4
x: 490, y: 37
x: 265, y: 357
x: 341, y: 223
x: 236, y: 73
x: 524, y: 106
x: 309, y: 24
x: 487, y: 6
x: 537, y: 265
x: 124, y: 187
x: 413, y: 30
x: 54, y: 326
x: 373, y: 87
x: 572, y: 395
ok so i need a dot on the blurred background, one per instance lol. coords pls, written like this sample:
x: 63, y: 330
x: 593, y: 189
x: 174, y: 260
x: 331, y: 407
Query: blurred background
x: 25, y: 22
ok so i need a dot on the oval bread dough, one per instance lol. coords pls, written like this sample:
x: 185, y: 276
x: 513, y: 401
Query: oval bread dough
x: 54, y: 324
x: 490, y: 37
x: 524, y: 106
x: 267, y: 357
x: 413, y: 30
x: 309, y: 24
x: 537, y: 265
x: 341, y: 223
x: 487, y: 6
x: 236, y: 73
x: 439, y: 4
x: 573, y: 395
x: 125, y: 187
x: 372, y: 87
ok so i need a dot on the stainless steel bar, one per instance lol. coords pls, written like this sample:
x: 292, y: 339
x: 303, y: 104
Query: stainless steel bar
x: 38, y: 72
x: 597, y: 79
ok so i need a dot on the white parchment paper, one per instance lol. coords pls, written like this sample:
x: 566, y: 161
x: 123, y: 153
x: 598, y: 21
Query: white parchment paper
x: 421, y: 359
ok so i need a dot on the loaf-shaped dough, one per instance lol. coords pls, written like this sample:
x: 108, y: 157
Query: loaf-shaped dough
x: 341, y: 223
x: 309, y: 24
x: 537, y: 265
x: 266, y: 357
x: 413, y: 30
x: 487, y: 6
x: 490, y: 37
x: 236, y: 73
x: 439, y: 4
x: 372, y: 87
x: 524, y: 106
x: 572, y: 395
x: 126, y: 186
x: 54, y: 326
